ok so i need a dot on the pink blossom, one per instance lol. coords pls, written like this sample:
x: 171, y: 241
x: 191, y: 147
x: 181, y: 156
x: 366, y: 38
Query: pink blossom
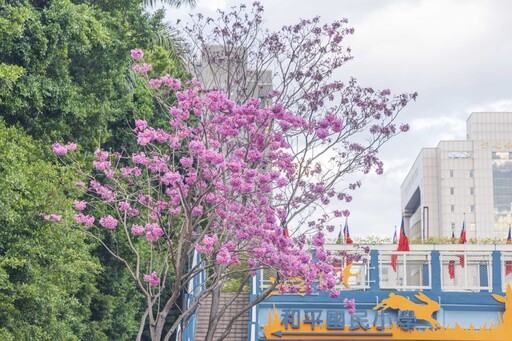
x: 208, y: 244
x: 350, y: 304
x: 84, y: 219
x: 197, y: 211
x: 153, y: 232
x: 109, y: 173
x: 140, y: 125
x: 59, y: 149
x: 108, y: 222
x: 155, y: 83
x: 71, y: 146
x: 137, y: 54
x: 334, y: 294
x: 80, y: 184
x: 281, y: 182
x: 404, y: 128
x: 140, y: 158
x: 54, y: 217
x: 223, y: 257
x: 152, y: 278
x: 101, y: 155
x: 123, y: 206
x: 80, y: 204
x: 171, y: 82
x: 186, y: 161
x: 322, y: 133
x: 318, y: 239
x: 137, y: 230
x: 101, y: 165
x: 175, y: 211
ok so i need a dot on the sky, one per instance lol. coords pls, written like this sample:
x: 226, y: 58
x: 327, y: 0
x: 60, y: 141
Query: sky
x: 457, y: 54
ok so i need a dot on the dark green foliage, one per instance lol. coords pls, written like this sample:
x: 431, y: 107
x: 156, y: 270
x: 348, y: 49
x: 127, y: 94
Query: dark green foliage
x: 65, y: 76
x: 75, y: 64
x: 45, y: 267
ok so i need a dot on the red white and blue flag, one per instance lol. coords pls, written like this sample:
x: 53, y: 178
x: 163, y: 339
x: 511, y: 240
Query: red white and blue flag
x: 346, y: 234
x: 403, y: 245
x: 462, y: 240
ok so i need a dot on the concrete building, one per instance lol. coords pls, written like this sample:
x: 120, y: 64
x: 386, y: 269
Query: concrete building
x: 469, y: 178
x: 232, y: 73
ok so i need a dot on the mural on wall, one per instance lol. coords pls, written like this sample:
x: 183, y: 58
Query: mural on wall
x: 408, y: 321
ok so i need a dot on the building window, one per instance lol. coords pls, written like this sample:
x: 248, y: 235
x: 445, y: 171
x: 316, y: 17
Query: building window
x: 452, y: 208
x: 451, y: 173
x: 472, y: 208
x: 452, y: 191
x: 471, y: 173
x: 471, y: 190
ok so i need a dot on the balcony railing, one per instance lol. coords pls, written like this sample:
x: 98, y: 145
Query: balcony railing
x: 466, y: 271
x: 449, y: 268
x: 405, y: 270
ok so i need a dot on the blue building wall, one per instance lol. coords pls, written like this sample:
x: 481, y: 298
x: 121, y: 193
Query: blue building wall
x: 461, y: 307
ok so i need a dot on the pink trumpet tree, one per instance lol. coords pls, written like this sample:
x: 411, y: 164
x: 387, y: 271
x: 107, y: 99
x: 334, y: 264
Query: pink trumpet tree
x: 231, y: 172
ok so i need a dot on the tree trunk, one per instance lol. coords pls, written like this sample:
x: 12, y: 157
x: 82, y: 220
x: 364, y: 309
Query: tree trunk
x: 214, y: 318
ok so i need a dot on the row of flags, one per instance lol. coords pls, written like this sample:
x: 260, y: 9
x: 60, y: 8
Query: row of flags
x: 403, y: 241
x: 345, y: 237
x: 403, y: 245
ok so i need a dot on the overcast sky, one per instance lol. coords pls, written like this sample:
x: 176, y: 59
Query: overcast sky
x: 457, y: 54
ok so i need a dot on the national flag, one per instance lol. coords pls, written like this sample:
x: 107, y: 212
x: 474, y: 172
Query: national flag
x: 509, y: 237
x: 346, y: 233
x: 395, y: 238
x: 403, y: 245
x: 462, y: 240
x: 340, y: 237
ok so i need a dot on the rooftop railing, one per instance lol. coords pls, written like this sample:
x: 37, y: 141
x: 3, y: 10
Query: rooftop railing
x: 446, y: 267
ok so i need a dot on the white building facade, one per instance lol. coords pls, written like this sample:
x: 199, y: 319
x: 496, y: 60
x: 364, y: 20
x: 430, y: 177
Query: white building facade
x: 469, y: 179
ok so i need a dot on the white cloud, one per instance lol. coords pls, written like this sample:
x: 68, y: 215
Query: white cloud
x: 504, y: 105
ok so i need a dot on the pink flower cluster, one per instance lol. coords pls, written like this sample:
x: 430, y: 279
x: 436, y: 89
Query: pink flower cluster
x: 62, y: 150
x: 141, y: 68
x: 84, y: 219
x: 350, y: 304
x: 152, y: 278
x: 80, y: 205
x: 108, y: 222
x: 137, y: 54
x: 137, y: 230
x: 54, y: 217
x: 208, y: 244
x: 153, y: 232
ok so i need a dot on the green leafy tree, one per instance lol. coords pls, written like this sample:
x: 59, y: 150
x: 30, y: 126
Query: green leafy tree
x: 64, y: 65
x: 45, y: 269
x: 64, y: 75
